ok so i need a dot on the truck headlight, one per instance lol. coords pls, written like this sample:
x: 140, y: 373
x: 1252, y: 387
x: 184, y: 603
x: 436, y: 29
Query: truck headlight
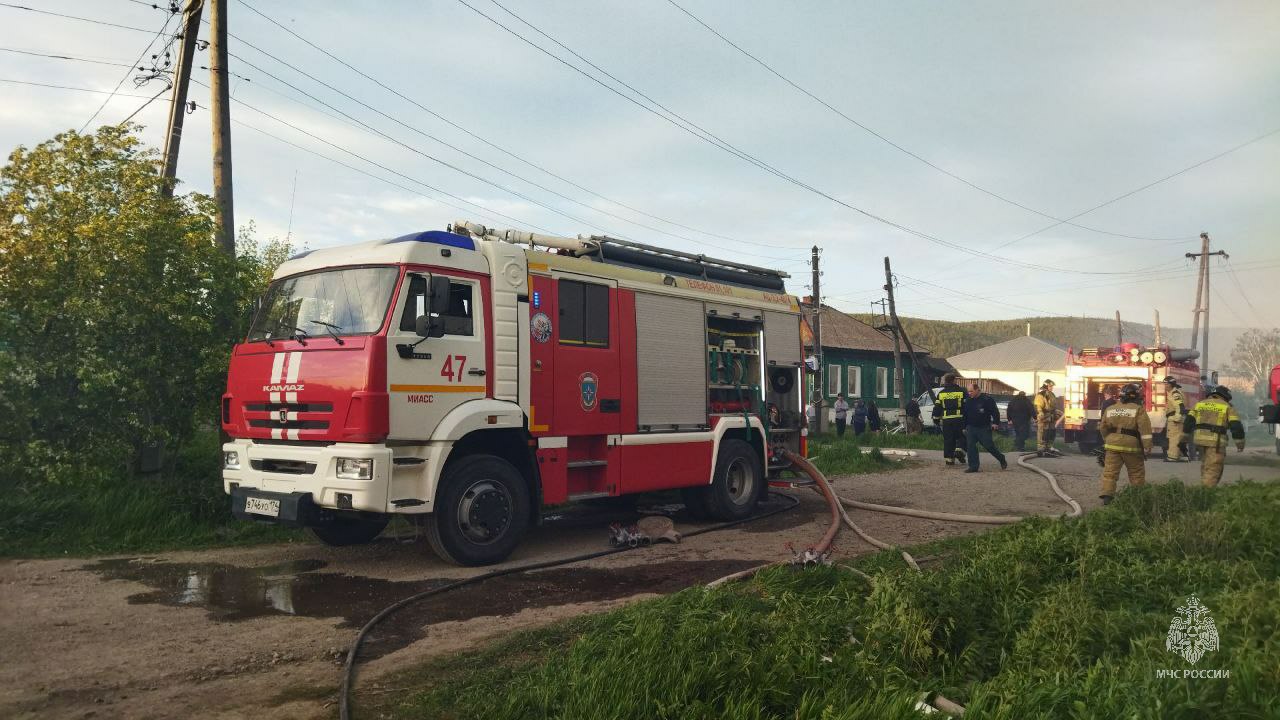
x: 355, y: 469
x: 231, y: 460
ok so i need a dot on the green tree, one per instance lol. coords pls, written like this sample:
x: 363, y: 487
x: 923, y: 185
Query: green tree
x: 1255, y: 353
x: 116, y: 306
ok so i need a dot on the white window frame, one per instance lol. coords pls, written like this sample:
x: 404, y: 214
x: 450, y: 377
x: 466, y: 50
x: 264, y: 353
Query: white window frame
x: 833, y: 380
x: 882, y: 381
x: 855, y: 381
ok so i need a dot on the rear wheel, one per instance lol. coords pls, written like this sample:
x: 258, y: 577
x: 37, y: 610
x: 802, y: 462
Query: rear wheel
x: 737, y: 483
x: 341, y: 531
x: 481, y: 511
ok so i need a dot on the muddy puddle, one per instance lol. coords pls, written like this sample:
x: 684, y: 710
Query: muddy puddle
x: 231, y: 593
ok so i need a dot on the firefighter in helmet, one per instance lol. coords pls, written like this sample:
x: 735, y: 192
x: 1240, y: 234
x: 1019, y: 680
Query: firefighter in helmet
x: 1126, y: 436
x: 1175, y: 413
x: 948, y: 415
x: 1047, y: 414
x: 1208, y: 424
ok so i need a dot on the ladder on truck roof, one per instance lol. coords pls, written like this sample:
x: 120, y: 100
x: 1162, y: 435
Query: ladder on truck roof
x: 613, y: 251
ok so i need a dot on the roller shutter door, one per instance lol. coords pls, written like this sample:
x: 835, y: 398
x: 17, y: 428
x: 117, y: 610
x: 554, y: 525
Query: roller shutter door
x: 782, y: 339
x: 671, y: 346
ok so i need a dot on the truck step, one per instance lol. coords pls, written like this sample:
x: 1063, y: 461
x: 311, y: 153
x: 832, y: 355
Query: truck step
x: 589, y: 496
x: 576, y: 464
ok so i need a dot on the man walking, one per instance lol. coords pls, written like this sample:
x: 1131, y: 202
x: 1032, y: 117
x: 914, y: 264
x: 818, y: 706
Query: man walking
x: 1020, y: 411
x: 1126, y: 437
x: 981, y: 416
x: 1210, y: 420
x: 842, y: 414
x: 1175, y: 413
x: 1047, y: 414
x: 948, y: 414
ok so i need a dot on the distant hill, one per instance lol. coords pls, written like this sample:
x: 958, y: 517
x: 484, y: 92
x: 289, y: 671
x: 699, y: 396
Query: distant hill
x: 945, y: 338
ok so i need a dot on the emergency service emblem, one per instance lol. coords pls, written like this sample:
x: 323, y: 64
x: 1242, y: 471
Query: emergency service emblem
x: 1192, y: 632
x: 589, y: 386
x: 540, y: 327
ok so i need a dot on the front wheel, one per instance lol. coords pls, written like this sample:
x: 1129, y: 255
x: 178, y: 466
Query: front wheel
x: 737, y: 483
x: 481, y: 511
x: 342, y: 531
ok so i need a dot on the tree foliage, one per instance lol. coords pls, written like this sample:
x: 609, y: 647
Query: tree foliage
x: 117, y: 307
x: 1255, y: 353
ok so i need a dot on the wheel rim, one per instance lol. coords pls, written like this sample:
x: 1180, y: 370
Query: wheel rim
x: 484, y: 513
x: 738, y: 480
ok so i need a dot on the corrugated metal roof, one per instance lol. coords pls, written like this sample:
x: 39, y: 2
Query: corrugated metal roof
x: 844, y: 331
x: 1024, y: 353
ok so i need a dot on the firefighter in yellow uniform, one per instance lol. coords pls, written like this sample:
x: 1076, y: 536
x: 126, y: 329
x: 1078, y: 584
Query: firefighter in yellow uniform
x: 1175, y: 413
x: 1047, y: 414
x: 1126, y: 437
x: 1208, y: 424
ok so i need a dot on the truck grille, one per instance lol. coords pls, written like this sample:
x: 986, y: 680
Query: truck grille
x: 283, y: 417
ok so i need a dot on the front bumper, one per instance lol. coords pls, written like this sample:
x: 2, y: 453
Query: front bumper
x: 296, y: 470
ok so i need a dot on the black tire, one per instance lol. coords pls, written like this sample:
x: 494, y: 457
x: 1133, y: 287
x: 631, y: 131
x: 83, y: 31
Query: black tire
x: 736, y: 485
x: 481, y: 511
x: 782, y: 381
x: 341, y: 531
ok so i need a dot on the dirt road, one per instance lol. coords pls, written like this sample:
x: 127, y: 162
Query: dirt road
x: 254, y: 632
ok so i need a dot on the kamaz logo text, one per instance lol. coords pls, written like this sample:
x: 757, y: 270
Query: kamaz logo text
x: 283, y: 388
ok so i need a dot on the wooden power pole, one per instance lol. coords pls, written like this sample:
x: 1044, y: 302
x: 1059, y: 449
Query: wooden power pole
x: 898, y: 385
x: 820, y: 412
x: 1119, y: 330
x: 220, y: 109
x: 178, y: 105
x: 1202, y: 302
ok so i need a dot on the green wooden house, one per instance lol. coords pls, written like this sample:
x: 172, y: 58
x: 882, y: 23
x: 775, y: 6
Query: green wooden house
x: 858, y: 361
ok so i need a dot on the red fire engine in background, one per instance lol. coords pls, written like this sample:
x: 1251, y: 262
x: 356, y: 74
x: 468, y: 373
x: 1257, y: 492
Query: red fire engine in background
x: 464, y: 381
x: 1270, y: 413
x: 1091, y: 371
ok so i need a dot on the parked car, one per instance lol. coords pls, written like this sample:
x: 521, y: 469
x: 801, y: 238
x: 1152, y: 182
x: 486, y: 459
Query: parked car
x: 929, y: 397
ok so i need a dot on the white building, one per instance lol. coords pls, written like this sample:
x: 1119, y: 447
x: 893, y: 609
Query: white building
x: 1023, y: 362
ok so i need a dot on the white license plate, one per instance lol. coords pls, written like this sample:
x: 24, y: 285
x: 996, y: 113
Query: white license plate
x: 262, y: 506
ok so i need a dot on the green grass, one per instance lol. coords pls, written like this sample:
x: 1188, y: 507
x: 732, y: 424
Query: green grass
x: 91, y: 517
x: 1044, y: 619
x: 844, y: 457
x: 923, y: 441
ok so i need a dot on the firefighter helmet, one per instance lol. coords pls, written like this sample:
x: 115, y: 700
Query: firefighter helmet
x: 1222, y: 392
x: 1169, y: 380
x: 1048, y: 383
x: 1131, y: 392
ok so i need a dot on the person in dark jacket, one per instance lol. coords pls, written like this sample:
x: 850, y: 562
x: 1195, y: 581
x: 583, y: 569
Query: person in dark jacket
x: 859, y: 417
x: 873, y: 416
x: 913, y: 424
x: 1020, y: 412
x: 981, y: 416
x: 948, y: 415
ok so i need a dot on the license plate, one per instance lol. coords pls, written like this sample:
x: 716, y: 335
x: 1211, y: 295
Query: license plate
x: 262, y: 506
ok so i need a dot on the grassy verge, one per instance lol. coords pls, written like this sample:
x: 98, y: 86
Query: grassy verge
x: 923, y: 441
x: 844, y: 457
x: 188, y: 510
x: 1045, y: 619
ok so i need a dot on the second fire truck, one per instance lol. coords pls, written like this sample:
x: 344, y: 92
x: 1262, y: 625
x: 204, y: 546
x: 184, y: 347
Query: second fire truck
x: 1092, y: 370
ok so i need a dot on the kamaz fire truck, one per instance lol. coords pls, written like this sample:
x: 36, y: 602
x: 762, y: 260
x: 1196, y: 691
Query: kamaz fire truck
x: 1091, y: 371
x: 1270, y: 412
x: 466, y: 379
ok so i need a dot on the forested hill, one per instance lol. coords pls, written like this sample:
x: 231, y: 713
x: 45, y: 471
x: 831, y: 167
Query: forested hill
x: 945, y: 338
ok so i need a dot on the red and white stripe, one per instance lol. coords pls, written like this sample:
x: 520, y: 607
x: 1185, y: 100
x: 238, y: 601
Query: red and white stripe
x: 285, y: 369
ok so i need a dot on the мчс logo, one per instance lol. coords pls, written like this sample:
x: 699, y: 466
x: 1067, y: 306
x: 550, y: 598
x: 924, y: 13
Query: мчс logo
x: 1192, y: 632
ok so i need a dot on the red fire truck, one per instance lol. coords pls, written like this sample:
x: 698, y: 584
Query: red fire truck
x: 467, y: 378
x: 1091, y: 371
x: 1270, y: 413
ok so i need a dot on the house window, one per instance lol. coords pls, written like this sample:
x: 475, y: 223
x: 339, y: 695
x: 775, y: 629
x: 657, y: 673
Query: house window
x: 833, y: 380
x: 855, y: 381
x: 882, y: 382
x: 584, y: 314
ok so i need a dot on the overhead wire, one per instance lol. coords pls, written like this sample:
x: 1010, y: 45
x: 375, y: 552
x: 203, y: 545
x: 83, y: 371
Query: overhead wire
x: 69, y: 87
x: 495, y: 146
x: 168, y: 19
x: 63, y: 57
x: 883, y: 138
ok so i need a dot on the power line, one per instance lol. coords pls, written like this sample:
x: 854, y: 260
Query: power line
x: 63, y: 57
x: 893, y: 144
x: 74, y: 17
x: 69, y: 87
x: 706, y: 136
x: 1231, y: 274
x: 481, y: 139
x: 143, y: 54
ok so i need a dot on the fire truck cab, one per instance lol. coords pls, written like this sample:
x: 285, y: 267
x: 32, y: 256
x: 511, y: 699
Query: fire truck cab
x: 1270, y: 412
x: 1093, y: 370
x: 466, y: 381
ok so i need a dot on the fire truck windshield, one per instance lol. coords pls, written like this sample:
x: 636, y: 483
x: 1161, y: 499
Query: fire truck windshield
x: 351, y: 301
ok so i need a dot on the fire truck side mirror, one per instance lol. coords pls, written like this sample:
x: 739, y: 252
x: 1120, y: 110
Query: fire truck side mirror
x: 429, y: 325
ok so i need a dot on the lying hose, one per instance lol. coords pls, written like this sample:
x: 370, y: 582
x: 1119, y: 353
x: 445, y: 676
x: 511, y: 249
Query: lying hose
x: 349, y: 667
x: 1076, y: 511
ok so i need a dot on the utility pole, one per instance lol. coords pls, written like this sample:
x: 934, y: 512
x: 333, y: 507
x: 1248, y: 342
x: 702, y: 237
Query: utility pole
x: 898, y: 388
x: 220, y: 109
x: 1119, y: 330
x: 1157, y: 328
x: 178, y: 105
x: 1202, y: 302
x: 819, y: 409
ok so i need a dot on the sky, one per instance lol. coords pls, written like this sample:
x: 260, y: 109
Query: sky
x: 938, y: 134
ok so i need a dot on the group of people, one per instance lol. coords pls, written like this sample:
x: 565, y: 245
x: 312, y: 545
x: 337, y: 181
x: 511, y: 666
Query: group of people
x: 1127, y: 436
x: 866, y: 416
x: 968, y: 416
